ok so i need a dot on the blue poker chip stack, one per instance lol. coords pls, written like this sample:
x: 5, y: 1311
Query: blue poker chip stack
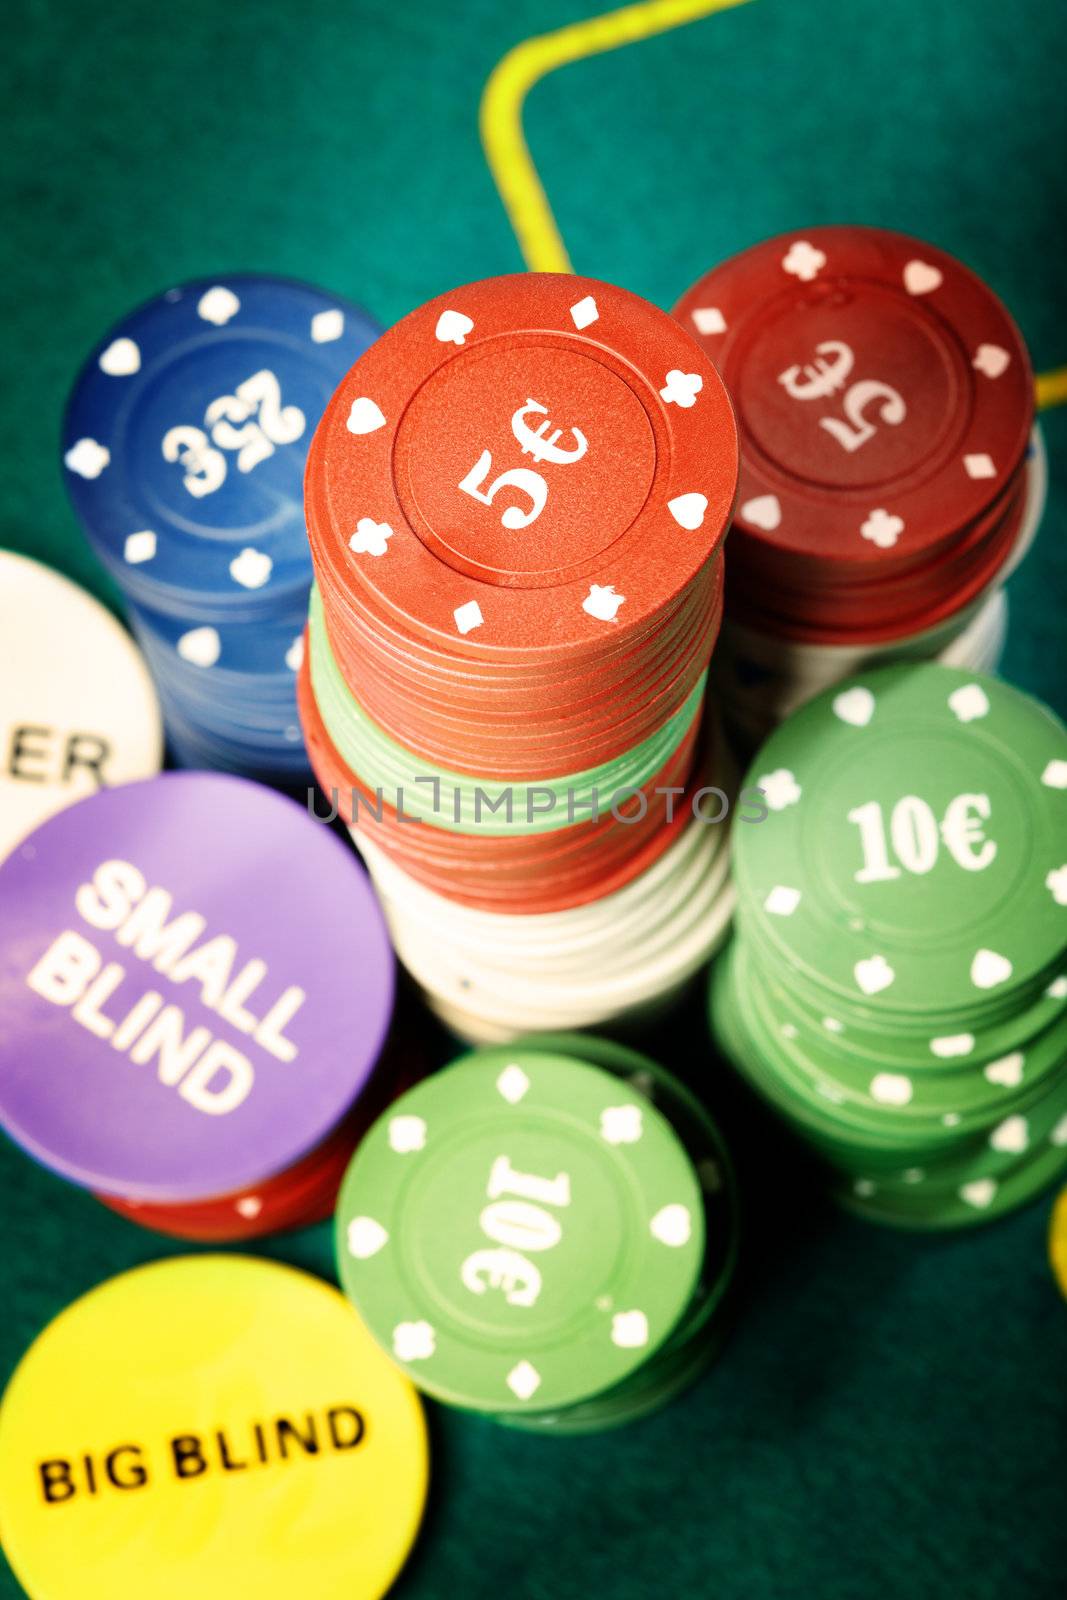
x: 183, y: 450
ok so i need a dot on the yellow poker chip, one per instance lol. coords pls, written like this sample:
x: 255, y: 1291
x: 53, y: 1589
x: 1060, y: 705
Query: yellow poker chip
x: 209, y: 1426
x: 1057, y: 1241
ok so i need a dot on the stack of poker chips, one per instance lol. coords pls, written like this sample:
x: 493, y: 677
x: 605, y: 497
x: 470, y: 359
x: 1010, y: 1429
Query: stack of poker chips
x: 890, y: 480
x: 516, y: 503
x: 207, y: 969
x: 78, y: 711
x: 897, y: 988
x: 546, y: 1234
x: 184, y: 448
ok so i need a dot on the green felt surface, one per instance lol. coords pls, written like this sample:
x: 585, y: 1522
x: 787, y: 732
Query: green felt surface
x: 890, y: 1419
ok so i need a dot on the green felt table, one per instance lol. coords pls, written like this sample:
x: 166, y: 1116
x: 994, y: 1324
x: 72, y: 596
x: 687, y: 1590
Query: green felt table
x: 890, y: 1418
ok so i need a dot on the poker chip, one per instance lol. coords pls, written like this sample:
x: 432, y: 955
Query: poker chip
x: 241, y: 1433
x: 184, y: 447
x: 898, y: 985
x: 516, y: 504
x: 888, y: 480
x: 527, y: 1234
x: 77, y: 708
x: 209, y: 968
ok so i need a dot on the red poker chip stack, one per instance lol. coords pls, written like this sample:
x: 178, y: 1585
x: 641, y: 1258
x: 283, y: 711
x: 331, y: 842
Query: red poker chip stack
x: 885, y: 405
x: 516, y: 503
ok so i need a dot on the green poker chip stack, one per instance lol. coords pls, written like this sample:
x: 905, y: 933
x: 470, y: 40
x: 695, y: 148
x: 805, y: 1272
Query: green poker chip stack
x: 897, y: 984
x: 545, y: 1233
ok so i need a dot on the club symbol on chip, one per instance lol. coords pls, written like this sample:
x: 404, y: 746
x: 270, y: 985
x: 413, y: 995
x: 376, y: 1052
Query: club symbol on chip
x: 629, y: 1330
x: 218, y: 305
x: 407, y: 1134
x: 370, y: 538
x: 803, y: 261
x: 121, y: 359
x: 681, y: 388
x: 991, y: 360
x: 201, y: 647
x: 780, y: 789
x: 602, y: 602
x: 251, y: 569
x: 453, y: 327
x: 87, y: 458
x: 882, y: 528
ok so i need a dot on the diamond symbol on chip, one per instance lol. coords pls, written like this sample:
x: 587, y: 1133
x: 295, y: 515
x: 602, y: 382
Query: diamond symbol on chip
x: 201, y: 647
x: 969, y: 702
x: 874, y: 974
x: 803, y: 261
x: 584, y: 313
x: 988, y: 969
x: 1056, y: 884
x: 365, y: 1238
x: 782, y: 900
x: 453, y: 327
x: 140, y: 547
x: 365, y: 416
x: 121, y: 359
x: 709, y: 319
x: 1012, y: 1136
x: 891, y: 1088
x: 327, y: 325
x: 513, y: 1083
x: 251, y: 569
x: 407, y: 1134
x: 370, y: 538
x: 688, y: 510
x: 882, y: 528
x: 779, y: 788
x: 672, y: 1225
x: 524, y: 1380
x: 979, y: 466
x: 629, y: 1330
x: 218, y: 305
x: 980, y: 1194
x: 681, y: 388
x: 621, y: 1124
x: 954, y: 1044
x: 1008, y: 1071
x: 602, y: 602
x: 855, y: 706
x: 294, y: 656
x: 87, y: 458
x: 991, y: 360
x: 1055, y: 775
x: 468, y: 617
x: 414, y: 1341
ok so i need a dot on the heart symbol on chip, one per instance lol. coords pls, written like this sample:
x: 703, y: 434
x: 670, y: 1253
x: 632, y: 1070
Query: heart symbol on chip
x: 765, y: 512
x: 969, y: 702
x: 453, y: 327
x: 629, y: 1330
x: 121, y: 359
x: 218, y: 305
x: 921, y: 278
x: 688, y: 510
x: 251, y: 568
x: 1007, y: 1072
x: 201, y: 647
x: 672, y: 1225
x: 991, y: 360
x: 980, y: 1194
x: 855, y: 706
x: 874, y: 974
x: 365, y: 416
x: 365, y: 1237
x: 988, y: 969
x: 1012, y: 1137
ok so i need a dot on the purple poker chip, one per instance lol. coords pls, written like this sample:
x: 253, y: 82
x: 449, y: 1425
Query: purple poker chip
x: 195, y: 984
